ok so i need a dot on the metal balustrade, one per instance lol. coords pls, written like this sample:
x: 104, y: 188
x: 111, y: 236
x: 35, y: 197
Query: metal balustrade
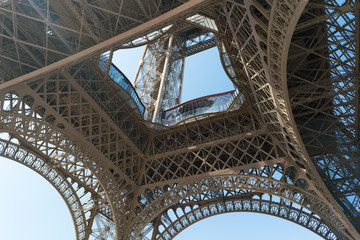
x: 204, y: 105
x: 121, y: 80
x: 214, y: 103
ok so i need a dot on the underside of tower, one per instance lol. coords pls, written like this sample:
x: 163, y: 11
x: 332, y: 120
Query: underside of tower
x: 133, y: 162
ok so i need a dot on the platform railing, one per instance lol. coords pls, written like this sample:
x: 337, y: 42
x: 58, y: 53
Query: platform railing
x: 121, y: 80
x: 200, y: 106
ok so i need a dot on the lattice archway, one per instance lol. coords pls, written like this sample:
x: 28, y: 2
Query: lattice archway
x: 86, y: 210
x: 320, y: 218
x: 10, y: 149
x: 184, y: 217
x: 29, y: 137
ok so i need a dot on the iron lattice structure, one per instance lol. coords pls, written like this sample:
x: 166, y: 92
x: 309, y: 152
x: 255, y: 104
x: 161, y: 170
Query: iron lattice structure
x: 291, y: 150
x: 160, y: 74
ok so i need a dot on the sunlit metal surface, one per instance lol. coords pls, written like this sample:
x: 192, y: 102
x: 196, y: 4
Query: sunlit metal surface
x: 290, y: 150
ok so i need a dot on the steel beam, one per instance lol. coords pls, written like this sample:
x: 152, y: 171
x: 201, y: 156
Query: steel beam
x: 185, y: 9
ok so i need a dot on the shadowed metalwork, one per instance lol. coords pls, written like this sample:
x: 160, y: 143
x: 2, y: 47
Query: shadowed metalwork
x: 286, y: 144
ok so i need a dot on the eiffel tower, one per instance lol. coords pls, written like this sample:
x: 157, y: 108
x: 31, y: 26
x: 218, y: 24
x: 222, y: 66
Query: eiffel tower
x: 134, y: 163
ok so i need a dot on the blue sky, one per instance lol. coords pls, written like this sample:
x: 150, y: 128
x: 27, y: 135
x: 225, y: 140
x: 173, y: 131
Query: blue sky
x: 30, y: 208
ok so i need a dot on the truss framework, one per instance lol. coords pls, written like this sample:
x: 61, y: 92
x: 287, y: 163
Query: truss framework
x: 285, y: 210
x: 159, y: 76
x: 291, y: 150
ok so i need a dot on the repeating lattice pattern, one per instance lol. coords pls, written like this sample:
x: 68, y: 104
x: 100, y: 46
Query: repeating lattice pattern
x: 27, y: 115
x: 159, y: 78
x: 111, y: 98
x: 323, y: 82
x: 64, y: 171
x: 291, y: 150
x: 186, y: 216
x: 12, y: 151
x: 241, y: 182
x: 232, y: 154
x: 198, y: 132
x: 261, y: 67
x: 74, y: 106
x: 36, y: 33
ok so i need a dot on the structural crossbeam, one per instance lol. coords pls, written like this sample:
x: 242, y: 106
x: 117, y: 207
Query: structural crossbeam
x: 290, y: 149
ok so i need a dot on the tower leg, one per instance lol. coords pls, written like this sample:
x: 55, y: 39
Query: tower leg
x: 163, y: 78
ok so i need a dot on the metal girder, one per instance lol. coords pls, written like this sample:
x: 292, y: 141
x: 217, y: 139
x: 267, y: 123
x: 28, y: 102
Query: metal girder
x: 154, y: 24
x: 159, y: 76
x: 79, y: 187
x: 199, y: 47
x: 177, y: 219
x: 323, y: 73
x: 247, y: 183
x: 290, y: 150
x: 45, y: 123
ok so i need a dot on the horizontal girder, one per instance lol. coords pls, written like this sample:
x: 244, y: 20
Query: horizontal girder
x: 293, y: 140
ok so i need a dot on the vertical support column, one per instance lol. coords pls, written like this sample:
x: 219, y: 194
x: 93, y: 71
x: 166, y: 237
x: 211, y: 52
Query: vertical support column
x: 181, y: 81
x: 107, y: 61
x: 357, y: 69
x: 159, y: 77
x: 156, y: 224
x: 163, y: 78
x: 152, y: 77
x: 140, y: 65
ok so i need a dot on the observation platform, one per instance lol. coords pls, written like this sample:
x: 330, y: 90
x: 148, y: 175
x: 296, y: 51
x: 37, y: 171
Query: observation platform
x: 291, y: 150
x: 213, y: 103
x: 126, y: 88
x: 203, y: 105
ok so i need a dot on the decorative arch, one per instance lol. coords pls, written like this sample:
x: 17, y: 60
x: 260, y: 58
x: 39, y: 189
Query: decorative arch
x: 80, y: 198
x: 253, y: 185
x: 48, y: 150
x: 265, y: 76
x: 11, y: 150
x: 285, y: 210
